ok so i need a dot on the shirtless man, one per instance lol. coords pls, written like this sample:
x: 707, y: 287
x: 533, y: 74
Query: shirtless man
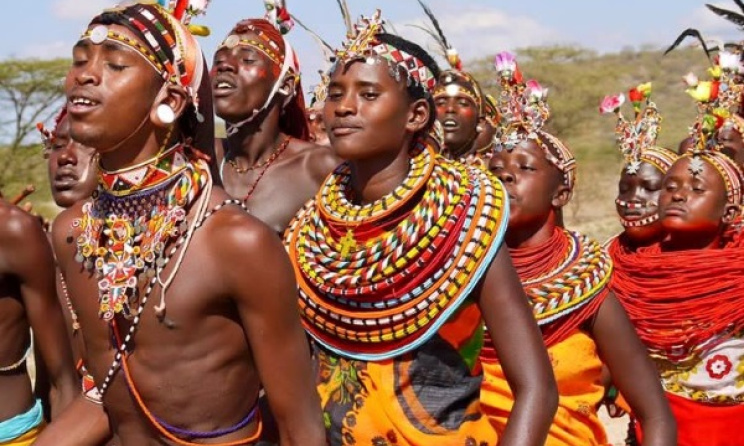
x: 188, y: 371
x: 27, y: 300
x: 72, y: 177
x: 267, y: 159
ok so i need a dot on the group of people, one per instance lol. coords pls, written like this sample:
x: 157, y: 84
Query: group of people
x: 389, y: 266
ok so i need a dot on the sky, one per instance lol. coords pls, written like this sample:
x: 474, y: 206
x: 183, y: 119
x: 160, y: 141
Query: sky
x: 49, y: 28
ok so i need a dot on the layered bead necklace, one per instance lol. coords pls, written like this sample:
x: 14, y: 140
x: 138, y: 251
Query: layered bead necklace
x: 377, y: 280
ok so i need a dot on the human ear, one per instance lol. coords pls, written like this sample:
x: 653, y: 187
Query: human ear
x: 561, y: 196
x: 418, y: 115
x: 730, y: 212
x: 287, y: 89
x: 171, y: 97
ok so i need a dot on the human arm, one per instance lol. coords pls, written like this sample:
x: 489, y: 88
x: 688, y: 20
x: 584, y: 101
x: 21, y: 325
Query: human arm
x: 633, y: 373
x: 27, y: 256
x: 82, y: 423
x: 521, y: 351
x: 265, y: 291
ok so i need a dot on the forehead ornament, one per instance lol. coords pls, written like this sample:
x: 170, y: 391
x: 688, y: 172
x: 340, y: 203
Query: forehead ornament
x: 696, y: 165
x: 99, y: 34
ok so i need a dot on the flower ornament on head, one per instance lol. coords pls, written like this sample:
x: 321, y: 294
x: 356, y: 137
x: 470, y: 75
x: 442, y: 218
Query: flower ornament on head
x: 637, y: 139
x: 523, y: 111
x: 365, y: 45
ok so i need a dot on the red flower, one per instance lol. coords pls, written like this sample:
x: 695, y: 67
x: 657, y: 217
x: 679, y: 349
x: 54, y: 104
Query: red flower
x: 635, y: 95
x: 718, y: 366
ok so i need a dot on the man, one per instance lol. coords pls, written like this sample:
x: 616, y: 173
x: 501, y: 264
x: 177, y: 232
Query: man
x: 72, y: 176
x: 266, y: 159
x: 185, y: 367
x: 397, y: 257
x: 27, y: 300
x: 462, y: 109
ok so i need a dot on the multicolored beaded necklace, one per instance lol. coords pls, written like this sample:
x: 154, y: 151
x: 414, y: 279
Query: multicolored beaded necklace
x: 565, y: 279
x: 377, y: 280
x: 125, y: 229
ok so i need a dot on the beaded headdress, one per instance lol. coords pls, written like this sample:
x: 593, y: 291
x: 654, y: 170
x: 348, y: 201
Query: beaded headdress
x: 637, y: 139
x: 271, y: 42
x: 365, y: 45
x: 523, y: 111
x: 166, y: 39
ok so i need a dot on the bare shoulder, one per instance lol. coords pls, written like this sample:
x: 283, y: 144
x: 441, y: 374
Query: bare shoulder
x: 237, y: 237
x: 318, y: 160
x: 17, y: 224
x: 62, y: 229
x: 23, y: 241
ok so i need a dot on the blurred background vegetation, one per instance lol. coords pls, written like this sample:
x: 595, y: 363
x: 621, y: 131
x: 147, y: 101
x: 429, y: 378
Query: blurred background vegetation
x: 31, y: 92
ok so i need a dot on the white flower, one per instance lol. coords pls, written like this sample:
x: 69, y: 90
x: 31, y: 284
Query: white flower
x: 729, y: 61
x: 690, y: 79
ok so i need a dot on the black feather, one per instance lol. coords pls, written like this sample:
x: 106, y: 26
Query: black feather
x: 731, y: 16
x: 740, y: 4
x: 442, y: 39
x: 689, y: 32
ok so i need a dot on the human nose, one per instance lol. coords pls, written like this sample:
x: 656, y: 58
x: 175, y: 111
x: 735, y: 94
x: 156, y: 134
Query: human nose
x: 346, y: 105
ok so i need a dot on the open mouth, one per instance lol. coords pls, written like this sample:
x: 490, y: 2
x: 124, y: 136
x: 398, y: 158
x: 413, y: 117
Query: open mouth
x: 223, y: 87
x: 449, y: 124
x: 81, y: 104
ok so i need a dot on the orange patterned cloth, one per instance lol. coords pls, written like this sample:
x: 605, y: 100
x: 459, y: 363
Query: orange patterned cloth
x: 428, y: 397
x: 578, y: 371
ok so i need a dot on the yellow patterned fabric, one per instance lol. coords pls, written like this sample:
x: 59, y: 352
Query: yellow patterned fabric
x: 578, y: 369
x: 428, y: 397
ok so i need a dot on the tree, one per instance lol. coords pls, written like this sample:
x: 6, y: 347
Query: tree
x: 31, y: 91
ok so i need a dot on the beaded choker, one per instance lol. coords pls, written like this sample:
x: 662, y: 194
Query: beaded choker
x: 378, y: 280
x: 125, y: 229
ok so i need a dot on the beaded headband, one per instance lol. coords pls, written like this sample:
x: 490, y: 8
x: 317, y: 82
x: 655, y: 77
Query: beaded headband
x: 730, y: 172
x: 454, y: 83
x: 637, y: 139
x: 167, y: 42
x: 364, y: 45
x: 523, y: 111
x: 278, y: 17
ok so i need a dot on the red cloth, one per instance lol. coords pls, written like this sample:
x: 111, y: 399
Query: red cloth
x: 701, y: 424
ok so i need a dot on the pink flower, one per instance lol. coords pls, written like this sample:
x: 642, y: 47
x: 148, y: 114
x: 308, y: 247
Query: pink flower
x: 505, y: 63
x: 535, y: 92
x: 612, y: 103
x: 690, y: 79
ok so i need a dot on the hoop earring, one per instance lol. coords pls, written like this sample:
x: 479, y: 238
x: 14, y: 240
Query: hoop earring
x: 165, y: 114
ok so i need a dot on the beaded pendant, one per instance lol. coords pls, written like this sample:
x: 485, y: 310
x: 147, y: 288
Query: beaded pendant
x: 123, y: 236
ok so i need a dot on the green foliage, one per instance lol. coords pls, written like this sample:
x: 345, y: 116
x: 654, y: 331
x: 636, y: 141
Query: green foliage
x: 31, y: 91
x: 578, y: 79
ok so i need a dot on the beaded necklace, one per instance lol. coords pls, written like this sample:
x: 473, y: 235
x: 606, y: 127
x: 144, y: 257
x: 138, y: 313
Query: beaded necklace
x: 565, y: 279
x: 125, y: 228
x: 266, y: 164
x: 417, y: 254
